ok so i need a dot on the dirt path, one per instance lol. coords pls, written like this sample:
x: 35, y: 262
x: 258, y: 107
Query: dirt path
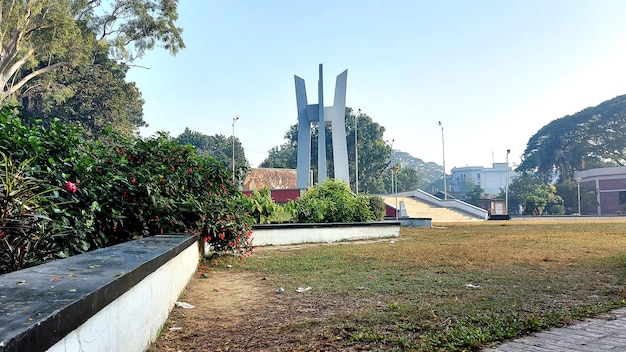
x: 238, y: 311
x: 241, y: 311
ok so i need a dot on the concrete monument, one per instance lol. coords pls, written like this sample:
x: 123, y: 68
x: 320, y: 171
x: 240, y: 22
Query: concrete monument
x: 309, y: 113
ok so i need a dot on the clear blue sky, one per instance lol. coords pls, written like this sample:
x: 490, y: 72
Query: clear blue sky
x: 493, y: 72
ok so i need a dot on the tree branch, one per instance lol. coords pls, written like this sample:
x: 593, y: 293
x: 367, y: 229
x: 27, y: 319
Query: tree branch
x: 34, y: 74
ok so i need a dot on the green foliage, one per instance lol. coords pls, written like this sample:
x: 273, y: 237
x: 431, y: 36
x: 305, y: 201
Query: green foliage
x: 64, y: 33
x: 219, y: 147
x: 532, y: 194
x: 27, y: 236
x: 93, y: 97
x: 128, y: 187
x: 593, y: 137
x: 377, y: 205
x: 331, y: 201
x: 474, y: 196
x: 261, y: 206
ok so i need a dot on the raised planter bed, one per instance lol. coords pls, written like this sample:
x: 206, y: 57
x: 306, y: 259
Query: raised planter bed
x: 283, y: 234
x: 111, y: 299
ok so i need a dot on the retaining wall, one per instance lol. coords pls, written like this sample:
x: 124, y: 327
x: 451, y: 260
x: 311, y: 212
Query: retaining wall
x: 111, y: 299
x: 282, y: 234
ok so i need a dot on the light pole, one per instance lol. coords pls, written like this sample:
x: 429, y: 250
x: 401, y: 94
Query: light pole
x: 395, y: 170
x: 356, y: 150
x: 506, y: 186
x: 578, y: 184
x: 392, y: 162
x: 443, y: 150
x: 234, y: 120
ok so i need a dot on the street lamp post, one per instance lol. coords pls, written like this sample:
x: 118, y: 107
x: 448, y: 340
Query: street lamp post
x: 443, y: 150
x: 234, y: 120
x: 506, y: 186
x: 356, y: 151
x: 578, y: 184
x: 391, y: 165
x: 395, y: 170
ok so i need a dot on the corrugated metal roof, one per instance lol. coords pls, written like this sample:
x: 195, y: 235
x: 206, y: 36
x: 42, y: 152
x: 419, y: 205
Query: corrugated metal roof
x: 271, y: 178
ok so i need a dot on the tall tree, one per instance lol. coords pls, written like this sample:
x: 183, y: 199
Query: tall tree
x: 94, y: 97
x: 532, y: 194
x: 38, y: 37
x: 593, y: 137
x: 218, y: 146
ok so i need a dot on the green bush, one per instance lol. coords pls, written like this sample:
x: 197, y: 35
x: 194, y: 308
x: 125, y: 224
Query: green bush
x: 118, y: 189
x: 27, y: 236
x: 262, y: 208
x: 331, y: 201
x: 377, y: 205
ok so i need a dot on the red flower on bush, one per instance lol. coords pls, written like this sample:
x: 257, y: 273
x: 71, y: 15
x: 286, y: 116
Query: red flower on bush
x: 70, y: 187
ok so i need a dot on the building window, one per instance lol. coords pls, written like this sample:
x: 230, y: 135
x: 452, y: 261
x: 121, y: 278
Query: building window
x: 622, y: 197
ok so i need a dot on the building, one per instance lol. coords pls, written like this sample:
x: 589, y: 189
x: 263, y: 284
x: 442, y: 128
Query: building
x: 602, y: 191
x: 492, y: 180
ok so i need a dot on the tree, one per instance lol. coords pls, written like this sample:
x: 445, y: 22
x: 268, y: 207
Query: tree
x: 426, y: 174
x: 94, y: 97
x: 39, y: 37
x: 594, y: 137
x: 532, y: 194
x: 218, y: 146
x: 475, y: 195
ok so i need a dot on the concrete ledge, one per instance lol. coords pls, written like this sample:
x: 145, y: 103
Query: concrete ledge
x: 416, y: 222
x: 282, y: 234
x: 111, y: 299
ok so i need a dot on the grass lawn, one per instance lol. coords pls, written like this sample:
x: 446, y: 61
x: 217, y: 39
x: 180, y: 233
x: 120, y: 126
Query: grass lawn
x: 454, y: 286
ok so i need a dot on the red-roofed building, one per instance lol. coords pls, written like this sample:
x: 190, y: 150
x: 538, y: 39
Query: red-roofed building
x: 281, y: 183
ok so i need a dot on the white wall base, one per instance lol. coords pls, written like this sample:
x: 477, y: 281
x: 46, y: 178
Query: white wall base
x: 283, y: 234
x: 133, y: 321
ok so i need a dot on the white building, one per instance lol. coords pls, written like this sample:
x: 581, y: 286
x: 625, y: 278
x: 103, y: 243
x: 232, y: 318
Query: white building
x: 492, y: 180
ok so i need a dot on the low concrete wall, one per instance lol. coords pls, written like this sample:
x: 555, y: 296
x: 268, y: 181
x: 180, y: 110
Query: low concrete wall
x: 282, y: 234
x: 112, y: 299
x: 416, y: 222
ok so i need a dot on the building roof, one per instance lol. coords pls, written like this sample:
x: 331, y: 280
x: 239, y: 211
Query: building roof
x: 271, y: 178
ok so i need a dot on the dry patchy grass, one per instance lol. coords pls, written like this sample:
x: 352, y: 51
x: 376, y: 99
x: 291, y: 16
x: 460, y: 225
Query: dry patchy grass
x: 412, y: 293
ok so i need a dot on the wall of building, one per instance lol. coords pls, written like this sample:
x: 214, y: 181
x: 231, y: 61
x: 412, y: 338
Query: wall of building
x: 609, y: 186
x: 492, y: 180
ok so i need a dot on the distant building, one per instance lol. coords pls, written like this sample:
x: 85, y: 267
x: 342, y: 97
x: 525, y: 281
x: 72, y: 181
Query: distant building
x: 607, y: 186
x: 491, y: 180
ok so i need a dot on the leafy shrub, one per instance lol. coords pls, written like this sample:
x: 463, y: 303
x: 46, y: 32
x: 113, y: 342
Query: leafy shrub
x: 262, y: 208
x: 557, y: 209
x: 377, y: 205
x: 118, y: 188
x: 331, y: 201
x: 27, y: 236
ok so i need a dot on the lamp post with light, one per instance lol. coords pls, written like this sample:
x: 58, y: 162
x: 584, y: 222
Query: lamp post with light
x: 234, y: 120
x: 443, y: 150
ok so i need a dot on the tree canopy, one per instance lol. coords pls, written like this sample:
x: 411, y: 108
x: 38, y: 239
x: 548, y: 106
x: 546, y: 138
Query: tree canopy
x: 218, y: 146
x: 58, y: 56
x: 532, y: 194
x: 593, y: 137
